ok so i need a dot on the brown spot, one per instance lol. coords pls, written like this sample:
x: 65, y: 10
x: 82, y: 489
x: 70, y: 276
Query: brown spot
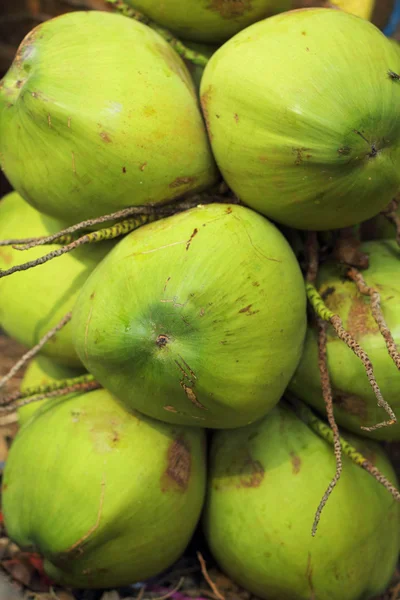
x: 299, y: 154
x: 345, y: 150
x: 204, y: 101
x: 179, y: 181
x: 360, y: 321
x: 115, y: 436
x: 230, y: 9
x: 191, y: 395
x: 351, y: 404
x: 256, y: 284
x: 252, y: 475
x: 248, y: 311
x: 236, y: 117
x: 179, y: 463
x: 228, y: 211
x: 105, y: 137
x: 170, y: 409
x: 308, y: 49
x: 5, y: 256
x: 92, y: 295
x: 202, y: 311
x: 143, y: 166
x: 124, y: 169
x: 195, y: 232
x: 263, y: 159
x: 303, y: 33
x: 296, y: 463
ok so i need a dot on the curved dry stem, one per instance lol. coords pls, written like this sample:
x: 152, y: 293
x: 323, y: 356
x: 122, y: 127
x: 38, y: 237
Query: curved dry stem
x: 160, y: 210
x: 325, y: 432
x: 71, y: 389
x: 35, y: 350
x: 376, y: 310
x: 324, y: 313
x: 44, y: 389
x: 107, y: 233
x: 327, y: 395
x: 194, y: 57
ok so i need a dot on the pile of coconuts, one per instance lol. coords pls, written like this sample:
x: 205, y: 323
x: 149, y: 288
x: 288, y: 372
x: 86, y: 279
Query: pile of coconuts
x: 201, y: 254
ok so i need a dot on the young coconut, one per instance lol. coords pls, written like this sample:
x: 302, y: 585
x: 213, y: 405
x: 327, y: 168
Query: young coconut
x: 107, y: 496
x: 121, y: 127
x: 40, y: 372
x: 355, y: 404
x: 196, y: 319
x: 318, y: 155
x: 265, y: 483
x: 209, y: 21
x: 32, y: 302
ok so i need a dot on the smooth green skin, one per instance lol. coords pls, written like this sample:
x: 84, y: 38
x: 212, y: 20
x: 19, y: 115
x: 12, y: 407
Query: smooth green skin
x: 34, y: 301
x: 356, y: 404
x: 265, y: 484
x: 98, y: 113
x: 42, y: 371
x: 210, y: 21
x: 196, y: 71
x: 282, y: 100
x: 230, y: 299
x: 128, y: 488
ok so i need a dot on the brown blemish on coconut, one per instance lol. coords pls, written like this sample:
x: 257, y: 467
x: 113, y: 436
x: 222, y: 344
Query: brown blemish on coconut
x: 162, y: 340
x: 5, y: 257
x: 296, y: 463
x: 124, y: 169
x: 204, y: 101
x: 143, y: 166
x: 170, y: 409
x: 230, y: 9
x: 300, y: 155
x: 247, y: 310
x: 191, y: 395
x: 252, y: 474
x: 195, y: 232
x: 360, y: 321
x: 351, y: 404
x: 180, y: 181
x: 105, y: 137
x: 179, y: 464
x: 236, y: 117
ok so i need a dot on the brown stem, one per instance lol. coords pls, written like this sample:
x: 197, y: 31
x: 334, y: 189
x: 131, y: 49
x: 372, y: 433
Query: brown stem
x: 327, y: 395
x: 206, y: 576
x: 35, y: 350
x: 376, y: 310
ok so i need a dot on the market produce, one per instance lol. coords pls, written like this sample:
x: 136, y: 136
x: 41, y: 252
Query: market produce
x: 42, y: 371
x: 264, y: 485
x: 97, y: 113
x: 196, y: 319
x: 107, y: 496
x: 302, y: 118
x: 210, y: 21
x: 34, y: 301
x: 355, y: 404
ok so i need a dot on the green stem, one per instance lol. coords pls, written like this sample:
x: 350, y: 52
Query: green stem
x: 44, y: 389
x: 190, y: 55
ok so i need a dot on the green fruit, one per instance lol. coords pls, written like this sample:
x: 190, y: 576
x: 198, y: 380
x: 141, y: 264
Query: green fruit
x: 197, y: 319
x: 42, y: 371
x: 265, y: 484
x: 107, y: 497
x: 354, y: 401
x: 98, y: 113
x: 34, y: 301
x: 210, y: 21
x: 302, y: 117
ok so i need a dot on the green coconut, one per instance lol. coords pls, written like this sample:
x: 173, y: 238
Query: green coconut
x: 210, y: 21
x: 302, y: 117
x: 42, y: 371
x: 355, y: 404
x: 196, y: 319
x: 34, y: 301
x: 266, y: 481
x: 106, y: 496
x: 97, y: 113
